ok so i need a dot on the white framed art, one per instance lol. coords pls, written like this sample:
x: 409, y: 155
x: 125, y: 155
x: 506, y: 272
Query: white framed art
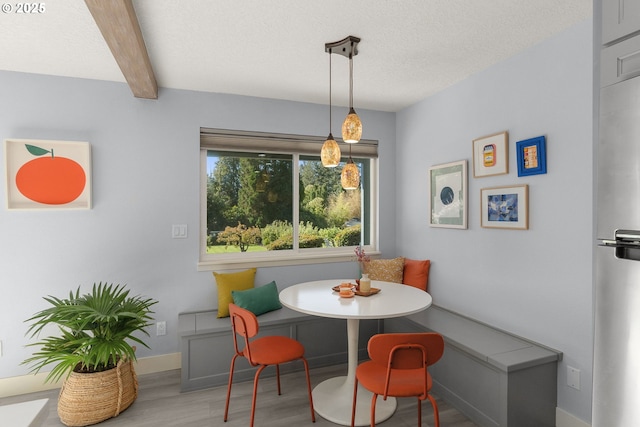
x: 44, y: 174
x: 448, y: 195
x: 505, y: 207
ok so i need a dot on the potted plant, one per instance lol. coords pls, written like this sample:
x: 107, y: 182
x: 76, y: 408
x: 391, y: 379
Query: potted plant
x: 93, y: 350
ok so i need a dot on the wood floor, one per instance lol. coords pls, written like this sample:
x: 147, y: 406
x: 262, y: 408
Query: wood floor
x: 160, y: 404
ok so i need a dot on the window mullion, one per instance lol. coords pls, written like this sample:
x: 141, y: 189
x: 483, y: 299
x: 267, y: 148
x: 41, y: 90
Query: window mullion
x: 296, y: 201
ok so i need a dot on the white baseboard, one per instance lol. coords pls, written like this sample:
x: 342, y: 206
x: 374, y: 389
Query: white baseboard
x: 565, y: 419
x: 24, y: 384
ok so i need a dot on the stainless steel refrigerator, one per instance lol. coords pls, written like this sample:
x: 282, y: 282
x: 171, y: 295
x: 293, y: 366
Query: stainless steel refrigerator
x: 616, y: 373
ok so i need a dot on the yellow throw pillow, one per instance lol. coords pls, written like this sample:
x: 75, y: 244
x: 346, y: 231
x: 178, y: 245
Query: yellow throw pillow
x: 388, y: 270
x: 228, y: 282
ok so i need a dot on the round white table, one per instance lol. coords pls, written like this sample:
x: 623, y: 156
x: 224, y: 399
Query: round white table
x: 332, y: 398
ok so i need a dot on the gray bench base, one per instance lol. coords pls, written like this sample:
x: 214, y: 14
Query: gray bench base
x: 207, y: 344
x: 495, y: 378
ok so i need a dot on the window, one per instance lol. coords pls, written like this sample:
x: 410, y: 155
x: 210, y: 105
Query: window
x: 266, y: 199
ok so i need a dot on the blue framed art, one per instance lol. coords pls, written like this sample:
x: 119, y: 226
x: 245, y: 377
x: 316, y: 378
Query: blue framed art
x: 532, y: 156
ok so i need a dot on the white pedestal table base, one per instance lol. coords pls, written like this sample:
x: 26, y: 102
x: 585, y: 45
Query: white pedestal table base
x: 332, y: 400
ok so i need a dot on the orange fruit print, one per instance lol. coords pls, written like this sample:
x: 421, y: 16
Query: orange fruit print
x: 50, y: 180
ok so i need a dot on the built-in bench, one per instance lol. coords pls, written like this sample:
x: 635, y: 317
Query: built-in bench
x: 497, y: 379
x: 207, y: 344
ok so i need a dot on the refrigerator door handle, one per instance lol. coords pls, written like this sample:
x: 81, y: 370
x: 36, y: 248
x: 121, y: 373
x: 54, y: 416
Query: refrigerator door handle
x: 626, y: 244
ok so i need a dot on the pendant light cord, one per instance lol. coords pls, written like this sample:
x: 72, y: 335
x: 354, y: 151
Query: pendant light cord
x: 330, y: 91
x: 351, y: 78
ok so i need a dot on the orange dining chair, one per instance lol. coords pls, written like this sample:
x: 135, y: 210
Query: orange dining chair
x: 262, y: 352
x: 398, y: 368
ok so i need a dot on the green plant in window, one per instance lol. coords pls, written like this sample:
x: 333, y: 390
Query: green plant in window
x: 348, y: 237
x: 241, y: 236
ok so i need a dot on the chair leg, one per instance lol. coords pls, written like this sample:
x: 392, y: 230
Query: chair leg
x: 419, y: 412
x: 255, y: 393
x: 436, y: 415
x: 353, y: 405
x: 306, y: 370
x: 374, y: 398
x: 226, y: 406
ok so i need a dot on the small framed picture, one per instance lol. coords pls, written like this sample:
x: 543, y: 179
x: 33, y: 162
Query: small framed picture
x: 448, y: 195
x: 43, y: 174
x: 532, y: 156
x: 491, y: 155
x: 505, y: 207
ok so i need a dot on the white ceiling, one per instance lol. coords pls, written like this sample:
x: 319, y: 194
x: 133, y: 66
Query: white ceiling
x: 410, y: 49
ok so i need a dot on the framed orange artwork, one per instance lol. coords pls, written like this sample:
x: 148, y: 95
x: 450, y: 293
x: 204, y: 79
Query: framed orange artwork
x: 491, y: 155
x: 43, y: 174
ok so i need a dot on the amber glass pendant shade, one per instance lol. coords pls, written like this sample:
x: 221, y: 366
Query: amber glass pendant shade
x: 350, y: 177
x: 352, y: 128
x: 330, y: 153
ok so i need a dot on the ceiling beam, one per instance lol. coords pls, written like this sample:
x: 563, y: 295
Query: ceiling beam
x: 120, y: 28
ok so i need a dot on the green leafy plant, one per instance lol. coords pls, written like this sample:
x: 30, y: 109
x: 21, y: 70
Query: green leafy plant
x: 241, y: 236
x: 350, y: 236
x: 94, y: 330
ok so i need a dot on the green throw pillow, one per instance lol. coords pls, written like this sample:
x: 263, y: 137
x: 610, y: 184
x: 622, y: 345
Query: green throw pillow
x: 258, y: 300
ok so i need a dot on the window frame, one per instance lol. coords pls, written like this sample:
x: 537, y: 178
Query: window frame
x: 296, y: 145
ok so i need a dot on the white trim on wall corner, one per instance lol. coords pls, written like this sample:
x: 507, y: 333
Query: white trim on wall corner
x: 24, y: 384
x: 565, y: 419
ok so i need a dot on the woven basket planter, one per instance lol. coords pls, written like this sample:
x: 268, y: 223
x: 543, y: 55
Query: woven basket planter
x: 87, y: 399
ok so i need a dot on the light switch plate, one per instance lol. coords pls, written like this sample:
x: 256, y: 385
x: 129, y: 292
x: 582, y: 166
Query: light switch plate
x: 179, y: 231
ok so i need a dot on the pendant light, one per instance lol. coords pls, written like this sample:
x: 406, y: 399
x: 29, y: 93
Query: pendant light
x: 350, y: 176
x: 330, y: 152
x: 352, y: 126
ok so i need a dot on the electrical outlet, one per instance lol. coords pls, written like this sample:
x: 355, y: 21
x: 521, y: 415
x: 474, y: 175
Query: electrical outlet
x: 0, y: 348
x: 161, y: 328
x: 573, y: 377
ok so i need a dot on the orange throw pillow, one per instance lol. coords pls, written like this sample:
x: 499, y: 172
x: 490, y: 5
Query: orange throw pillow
x: 416, y: 273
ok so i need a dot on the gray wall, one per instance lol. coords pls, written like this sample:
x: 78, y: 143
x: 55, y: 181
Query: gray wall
x: 534, y: 283
x: 145, y: 178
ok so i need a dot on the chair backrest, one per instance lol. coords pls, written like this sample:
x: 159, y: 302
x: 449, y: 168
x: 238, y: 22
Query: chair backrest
x: 406, y: 350
x: 245, y: 324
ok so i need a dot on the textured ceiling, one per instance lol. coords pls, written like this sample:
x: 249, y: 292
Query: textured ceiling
x: 410, y: 49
